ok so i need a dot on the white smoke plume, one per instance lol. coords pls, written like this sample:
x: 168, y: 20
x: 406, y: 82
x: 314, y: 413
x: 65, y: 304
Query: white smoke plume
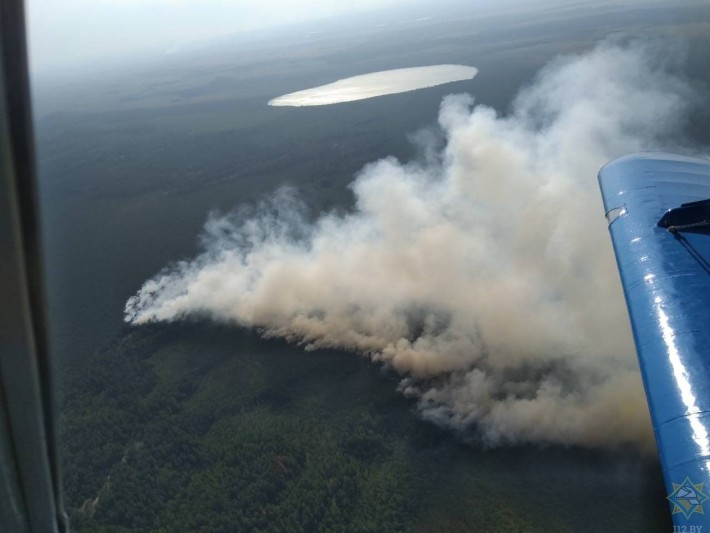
x: 484, y: 276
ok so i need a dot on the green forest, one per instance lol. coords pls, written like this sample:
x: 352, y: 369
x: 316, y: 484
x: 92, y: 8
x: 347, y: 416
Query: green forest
x: 195, y: 427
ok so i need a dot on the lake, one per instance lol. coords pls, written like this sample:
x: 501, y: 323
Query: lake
x: 375, y: 84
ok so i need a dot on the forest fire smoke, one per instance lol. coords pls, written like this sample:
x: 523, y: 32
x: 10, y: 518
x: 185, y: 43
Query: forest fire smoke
x: 484, y: 276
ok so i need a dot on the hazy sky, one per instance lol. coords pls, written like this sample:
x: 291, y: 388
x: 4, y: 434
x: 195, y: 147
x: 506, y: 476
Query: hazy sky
x: 70, y: 32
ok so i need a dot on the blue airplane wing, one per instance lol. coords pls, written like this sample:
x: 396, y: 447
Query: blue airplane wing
x: 658, y: 208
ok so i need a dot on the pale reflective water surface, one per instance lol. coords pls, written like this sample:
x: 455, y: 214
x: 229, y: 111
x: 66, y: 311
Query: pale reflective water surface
x: 399, y: 80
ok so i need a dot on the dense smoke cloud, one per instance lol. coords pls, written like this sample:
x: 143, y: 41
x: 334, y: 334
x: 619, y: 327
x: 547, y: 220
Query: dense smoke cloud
x: 484, y: 276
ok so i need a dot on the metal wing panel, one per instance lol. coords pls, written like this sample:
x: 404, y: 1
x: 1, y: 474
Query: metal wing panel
x: 666, y: 279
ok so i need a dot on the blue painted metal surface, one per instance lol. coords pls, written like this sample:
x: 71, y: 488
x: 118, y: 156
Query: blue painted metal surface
x: 666, y: 279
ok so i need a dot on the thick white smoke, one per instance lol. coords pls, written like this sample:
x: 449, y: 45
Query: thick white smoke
x: 485, y: 276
